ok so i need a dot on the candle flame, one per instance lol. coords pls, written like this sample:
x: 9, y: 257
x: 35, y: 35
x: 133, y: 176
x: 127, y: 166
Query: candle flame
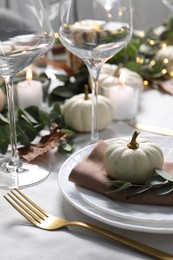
x: 122, y: 78
x: 29, y: 74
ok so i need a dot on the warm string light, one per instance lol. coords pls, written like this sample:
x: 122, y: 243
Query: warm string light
x: 164, y: 71
x: 166, y: 61
x: 152, y: 42
x: 109, y: 15
x: 146, y: 83
x: 121, y: 11
x: 152, y: 63
x: 141, y: 34
x: 164, y: 45
x: 139, y: 60
x: 56, y: 35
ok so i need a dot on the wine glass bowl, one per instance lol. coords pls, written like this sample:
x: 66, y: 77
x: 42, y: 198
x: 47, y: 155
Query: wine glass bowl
x: 95, y: 33
x: 25, y: 35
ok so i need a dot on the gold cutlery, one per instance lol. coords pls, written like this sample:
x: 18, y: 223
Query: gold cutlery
x: 151, y: 129
x: 41, y: 219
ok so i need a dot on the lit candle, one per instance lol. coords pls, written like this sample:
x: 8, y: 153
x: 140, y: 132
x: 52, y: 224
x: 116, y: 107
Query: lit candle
x: 124, y: 100
x: 29, y: 92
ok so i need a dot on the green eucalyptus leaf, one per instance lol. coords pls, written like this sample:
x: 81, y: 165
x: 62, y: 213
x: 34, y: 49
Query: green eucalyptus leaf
x: 70, y: 133
x: 45, y: 119
x: 3, y: 120
x: 164, y: 174
x: 26, y: 116
x: 65, y: 146
x: 165, y: 189
x: 117, y: 183
x: 34, y: 112
x: 25, y: 132
x: 4, y: 138
x: 73, y: 85
x: 63, y: 92
x: 56, y: 116
x: 125, y: 185
x: 57, y: 108
x: 140, y: 190
x: 40, y: 118
x: 43, y: 75
x: 155, y: 180
x: 63, y: 78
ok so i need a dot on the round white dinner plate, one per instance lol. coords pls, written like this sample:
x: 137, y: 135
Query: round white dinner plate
x: 134, y: 212
x: 129, y: 216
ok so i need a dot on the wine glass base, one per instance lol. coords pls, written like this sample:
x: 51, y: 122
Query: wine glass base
x: 28, y: 174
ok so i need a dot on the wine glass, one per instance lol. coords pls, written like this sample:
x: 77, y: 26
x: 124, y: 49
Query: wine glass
x: 95, y: 30
x: 25, y: 35
x: 51, y: 7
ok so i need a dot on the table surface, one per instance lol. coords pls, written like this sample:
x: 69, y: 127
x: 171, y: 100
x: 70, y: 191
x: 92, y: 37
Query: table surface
x: 20, y: 240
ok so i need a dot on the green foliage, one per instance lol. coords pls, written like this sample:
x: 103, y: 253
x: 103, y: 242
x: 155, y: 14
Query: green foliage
x: 145, y: 48
x: 73, y: 85
x: 4, y: 138
x: 161, y: 183
x: 30, y: 122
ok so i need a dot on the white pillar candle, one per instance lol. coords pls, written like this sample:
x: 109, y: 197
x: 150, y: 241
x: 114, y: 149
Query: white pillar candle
x: 29, y: 93
x: 124, y: 100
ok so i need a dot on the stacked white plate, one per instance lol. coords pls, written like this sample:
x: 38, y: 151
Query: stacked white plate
x: 156, y: 219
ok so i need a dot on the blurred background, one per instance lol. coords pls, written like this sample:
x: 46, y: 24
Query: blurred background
x: 147, y: 14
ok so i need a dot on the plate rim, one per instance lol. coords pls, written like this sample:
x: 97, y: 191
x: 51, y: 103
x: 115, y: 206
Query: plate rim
x: 81, y: 192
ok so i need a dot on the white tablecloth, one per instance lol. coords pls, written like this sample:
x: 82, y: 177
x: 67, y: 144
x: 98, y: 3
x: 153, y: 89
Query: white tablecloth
x: 20, y: 240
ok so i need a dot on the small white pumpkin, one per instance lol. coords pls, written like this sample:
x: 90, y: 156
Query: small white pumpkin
x: 109, y: 76
x: 77, y: 112
x: 132, y: 161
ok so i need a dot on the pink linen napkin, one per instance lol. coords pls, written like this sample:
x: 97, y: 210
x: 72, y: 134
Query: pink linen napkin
x: 91, y: 174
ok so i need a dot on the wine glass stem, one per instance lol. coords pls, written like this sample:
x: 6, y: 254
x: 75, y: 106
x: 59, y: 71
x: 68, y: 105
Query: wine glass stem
x: 14, y: 161
x: 94, y: 130
x: 94, y: 73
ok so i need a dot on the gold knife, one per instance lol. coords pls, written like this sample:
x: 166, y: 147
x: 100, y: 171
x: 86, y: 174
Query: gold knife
x: 151, y: 129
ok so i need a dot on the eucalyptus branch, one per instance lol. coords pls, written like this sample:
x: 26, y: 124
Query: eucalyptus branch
x: 161, y: 183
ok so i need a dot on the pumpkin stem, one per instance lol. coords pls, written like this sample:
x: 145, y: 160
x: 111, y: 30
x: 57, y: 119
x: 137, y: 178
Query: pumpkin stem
x: 117, y: 72
x: 86, y: 92
x: 133, y: 144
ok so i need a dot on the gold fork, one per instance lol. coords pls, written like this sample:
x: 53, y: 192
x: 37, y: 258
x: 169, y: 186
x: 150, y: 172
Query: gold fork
x: 38, y: 217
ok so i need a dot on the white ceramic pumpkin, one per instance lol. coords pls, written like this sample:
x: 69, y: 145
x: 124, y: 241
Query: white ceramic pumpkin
x: 110, y: 74
x: 77, y: 112
x: 132, y: 161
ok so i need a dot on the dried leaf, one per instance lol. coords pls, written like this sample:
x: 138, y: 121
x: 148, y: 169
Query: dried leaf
x: 32, y: 151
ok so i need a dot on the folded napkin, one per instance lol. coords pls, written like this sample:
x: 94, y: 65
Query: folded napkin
x: 91, y: 174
